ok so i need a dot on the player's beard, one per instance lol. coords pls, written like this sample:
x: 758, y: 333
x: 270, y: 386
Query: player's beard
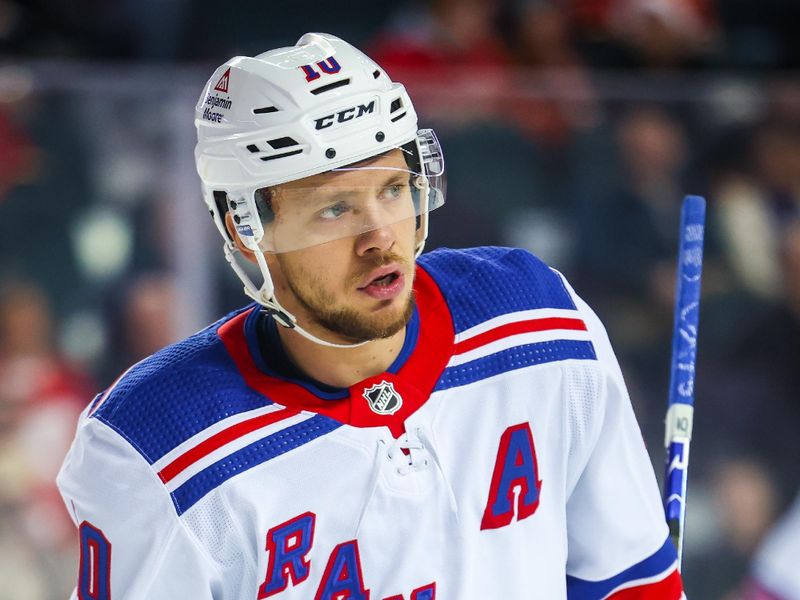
x: 354, y: 325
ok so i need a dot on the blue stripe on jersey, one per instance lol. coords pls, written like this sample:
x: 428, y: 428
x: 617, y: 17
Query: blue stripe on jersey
x: 409, y: 344
x: 515, y: 358
x: 176, y: 393
x: 251, y: 325
x: 250, y: 456
x: 657, y: 563
x: 482, y: 283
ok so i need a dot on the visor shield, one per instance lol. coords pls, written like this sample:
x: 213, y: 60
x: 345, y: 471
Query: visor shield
x: 399, y: 185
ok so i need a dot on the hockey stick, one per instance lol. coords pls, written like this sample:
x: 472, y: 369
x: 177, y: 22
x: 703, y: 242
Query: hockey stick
x: 684, y: 353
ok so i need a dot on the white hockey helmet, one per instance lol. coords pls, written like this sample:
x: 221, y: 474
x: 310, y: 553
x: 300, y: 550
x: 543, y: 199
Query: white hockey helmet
x: 291, y: 113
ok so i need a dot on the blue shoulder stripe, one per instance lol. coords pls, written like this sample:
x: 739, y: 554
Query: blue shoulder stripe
x: 655, y: 564
x: 250, y: 456
x: 482, y: 283
x: 515, y: 358
x: 176, y: 393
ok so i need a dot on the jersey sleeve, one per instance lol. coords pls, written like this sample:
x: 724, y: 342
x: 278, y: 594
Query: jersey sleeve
x: 618, y: 544
x: 132, y: 543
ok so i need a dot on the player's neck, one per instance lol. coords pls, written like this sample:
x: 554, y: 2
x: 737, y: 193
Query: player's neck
x: 341, y: 367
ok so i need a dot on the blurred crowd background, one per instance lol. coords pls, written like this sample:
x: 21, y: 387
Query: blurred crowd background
x: 570, y: 127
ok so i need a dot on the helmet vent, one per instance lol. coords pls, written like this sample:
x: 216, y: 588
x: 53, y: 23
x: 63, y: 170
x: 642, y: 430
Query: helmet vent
x: 264, y: 110
x: 284, y: 155
x: 397, y: 104
x: 277, y: 144
x: 398, y: 117
x: 331, y: 86
x: 376, y: 74
x: 283, y: 142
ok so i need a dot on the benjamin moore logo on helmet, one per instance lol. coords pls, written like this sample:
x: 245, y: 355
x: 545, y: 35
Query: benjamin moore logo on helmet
x: 348, y: 114
x: 222, y: 84
x: 216, y: 101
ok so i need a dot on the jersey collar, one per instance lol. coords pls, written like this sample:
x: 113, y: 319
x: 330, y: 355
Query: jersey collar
x: 388, y: 398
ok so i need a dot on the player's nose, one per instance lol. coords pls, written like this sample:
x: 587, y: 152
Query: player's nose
x: 380, y: 238
x: 376, y: 229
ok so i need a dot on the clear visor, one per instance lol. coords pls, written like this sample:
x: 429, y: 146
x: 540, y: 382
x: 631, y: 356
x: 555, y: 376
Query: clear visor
x: 390, y: 190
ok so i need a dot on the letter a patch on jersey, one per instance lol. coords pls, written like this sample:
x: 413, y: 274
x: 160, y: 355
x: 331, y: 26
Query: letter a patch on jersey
x: 515, y: 469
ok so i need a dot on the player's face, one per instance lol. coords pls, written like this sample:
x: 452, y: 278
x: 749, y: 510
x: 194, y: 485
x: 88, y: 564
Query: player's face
x: 359, y: 287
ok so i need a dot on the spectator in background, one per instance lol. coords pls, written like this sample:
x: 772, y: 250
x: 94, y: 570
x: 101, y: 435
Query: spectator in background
x: 43, y: 184
x: 663, y: 34
x: 630, y: 232
x: 756, y: 200
x: 447, y: 40
x: 18, y: 154
x: 650, y: 34
x: 769, y: 353
x: 40, y: 399
x: 142, y: 322
x: 440, y: 35
x: 149, y: 322
x: 744, y: 502
x: 557, y: 95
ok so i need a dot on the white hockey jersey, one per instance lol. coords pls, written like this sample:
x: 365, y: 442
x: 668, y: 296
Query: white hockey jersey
x: 498, y: 457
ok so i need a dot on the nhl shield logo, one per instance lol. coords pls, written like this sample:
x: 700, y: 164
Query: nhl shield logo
x: 383, y: 399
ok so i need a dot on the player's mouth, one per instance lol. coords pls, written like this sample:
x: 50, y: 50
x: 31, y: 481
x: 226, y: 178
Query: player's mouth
x: 384, y: 283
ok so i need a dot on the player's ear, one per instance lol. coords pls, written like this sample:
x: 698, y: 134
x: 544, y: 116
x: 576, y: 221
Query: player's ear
x: 248, y: 254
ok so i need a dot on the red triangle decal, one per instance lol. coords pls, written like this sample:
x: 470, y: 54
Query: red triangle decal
x: 222, y: 84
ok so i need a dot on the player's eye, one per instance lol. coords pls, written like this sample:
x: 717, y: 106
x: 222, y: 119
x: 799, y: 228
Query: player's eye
x: 334, y: 211
x: 393, y: 191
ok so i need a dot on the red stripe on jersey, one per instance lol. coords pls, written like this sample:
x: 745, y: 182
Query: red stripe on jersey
x: 509, y: 329
x: 221, y: 438
x: 669, y: 588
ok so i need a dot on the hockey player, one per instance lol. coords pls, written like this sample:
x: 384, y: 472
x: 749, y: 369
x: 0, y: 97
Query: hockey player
x: 374, y: 426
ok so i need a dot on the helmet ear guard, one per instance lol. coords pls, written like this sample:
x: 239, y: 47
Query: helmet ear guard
x: 246, y: 220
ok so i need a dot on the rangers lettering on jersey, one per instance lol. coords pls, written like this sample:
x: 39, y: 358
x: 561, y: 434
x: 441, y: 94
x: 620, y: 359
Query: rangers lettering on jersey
x: 288, y: 546
x: 342, y: 577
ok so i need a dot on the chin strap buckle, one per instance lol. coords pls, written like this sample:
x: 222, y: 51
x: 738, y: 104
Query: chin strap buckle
x: 281, y: 316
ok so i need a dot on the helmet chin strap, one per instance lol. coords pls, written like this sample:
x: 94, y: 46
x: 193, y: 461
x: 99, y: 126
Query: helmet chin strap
x: 265, y: 296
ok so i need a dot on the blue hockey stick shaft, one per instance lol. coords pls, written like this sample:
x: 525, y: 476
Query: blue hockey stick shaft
x: 682, y: 374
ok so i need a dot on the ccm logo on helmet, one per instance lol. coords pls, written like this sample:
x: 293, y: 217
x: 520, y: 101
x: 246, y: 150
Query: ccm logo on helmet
x: 348, y: 114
